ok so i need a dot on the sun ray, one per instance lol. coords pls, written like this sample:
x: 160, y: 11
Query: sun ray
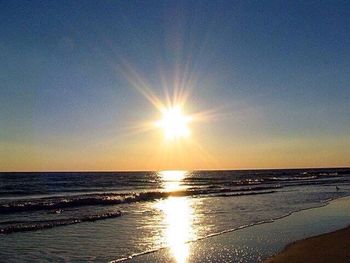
x: 173, y: 122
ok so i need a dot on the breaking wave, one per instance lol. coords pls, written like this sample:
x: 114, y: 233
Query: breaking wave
x: 60, y: 202
x: 23, y: 226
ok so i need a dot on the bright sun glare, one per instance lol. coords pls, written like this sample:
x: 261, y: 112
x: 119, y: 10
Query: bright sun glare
x: 174, y: 123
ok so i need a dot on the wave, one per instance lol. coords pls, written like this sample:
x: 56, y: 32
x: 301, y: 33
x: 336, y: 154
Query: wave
x: 63, y: 202
x: 217, y: 188
x: 250, y: 193
x: 290, y: 178
x: 23, y: 226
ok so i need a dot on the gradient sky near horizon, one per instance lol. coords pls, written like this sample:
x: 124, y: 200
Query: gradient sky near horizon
x: 277, y: 74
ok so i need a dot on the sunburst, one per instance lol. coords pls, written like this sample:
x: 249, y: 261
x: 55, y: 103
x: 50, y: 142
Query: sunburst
x: 174, y: 123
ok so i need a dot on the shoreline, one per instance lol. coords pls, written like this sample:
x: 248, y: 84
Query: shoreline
x: 228, y: 231
x: 260, y: 242
x: 329, y: 247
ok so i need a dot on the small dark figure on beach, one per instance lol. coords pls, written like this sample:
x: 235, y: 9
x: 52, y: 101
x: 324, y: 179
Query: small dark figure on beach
x: 337, y: 188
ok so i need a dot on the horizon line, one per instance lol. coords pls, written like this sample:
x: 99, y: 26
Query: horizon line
x: 192, y: 170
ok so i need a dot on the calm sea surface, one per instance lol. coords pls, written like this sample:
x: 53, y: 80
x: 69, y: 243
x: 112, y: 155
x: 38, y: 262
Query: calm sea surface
x: 99, y: 217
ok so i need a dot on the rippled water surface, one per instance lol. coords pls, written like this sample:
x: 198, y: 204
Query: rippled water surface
x: 98, y: 217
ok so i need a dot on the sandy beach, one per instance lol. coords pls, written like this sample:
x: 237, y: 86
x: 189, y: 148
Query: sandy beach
x: 330, y: 247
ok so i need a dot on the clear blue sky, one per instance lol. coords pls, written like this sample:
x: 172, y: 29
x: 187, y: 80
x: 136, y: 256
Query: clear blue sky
x: 280, y: 68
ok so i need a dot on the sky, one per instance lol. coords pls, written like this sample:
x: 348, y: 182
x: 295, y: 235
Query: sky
x: 271, y: 78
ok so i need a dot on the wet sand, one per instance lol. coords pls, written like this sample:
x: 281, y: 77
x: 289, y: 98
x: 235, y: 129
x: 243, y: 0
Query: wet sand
x: 331, y: 247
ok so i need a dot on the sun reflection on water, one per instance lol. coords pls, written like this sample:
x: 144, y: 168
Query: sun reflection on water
x: 178, y: 217
x: 171, y: 180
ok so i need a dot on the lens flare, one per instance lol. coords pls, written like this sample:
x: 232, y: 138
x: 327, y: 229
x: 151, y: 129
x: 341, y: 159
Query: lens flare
x: 178, y: 128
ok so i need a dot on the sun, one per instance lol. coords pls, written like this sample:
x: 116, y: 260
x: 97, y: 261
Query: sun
x: 174, y: 123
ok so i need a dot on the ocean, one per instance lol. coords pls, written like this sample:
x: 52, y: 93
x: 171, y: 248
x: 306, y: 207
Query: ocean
x: 106, y: 216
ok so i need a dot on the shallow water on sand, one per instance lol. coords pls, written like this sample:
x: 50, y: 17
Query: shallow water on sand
x: 259, y: 242
x: 164, y: 209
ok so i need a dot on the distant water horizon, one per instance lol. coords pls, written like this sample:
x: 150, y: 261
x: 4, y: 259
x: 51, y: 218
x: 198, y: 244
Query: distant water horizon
x: 174, y: 169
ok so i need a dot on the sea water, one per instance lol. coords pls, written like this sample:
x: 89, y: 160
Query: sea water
x: 105, y: 216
